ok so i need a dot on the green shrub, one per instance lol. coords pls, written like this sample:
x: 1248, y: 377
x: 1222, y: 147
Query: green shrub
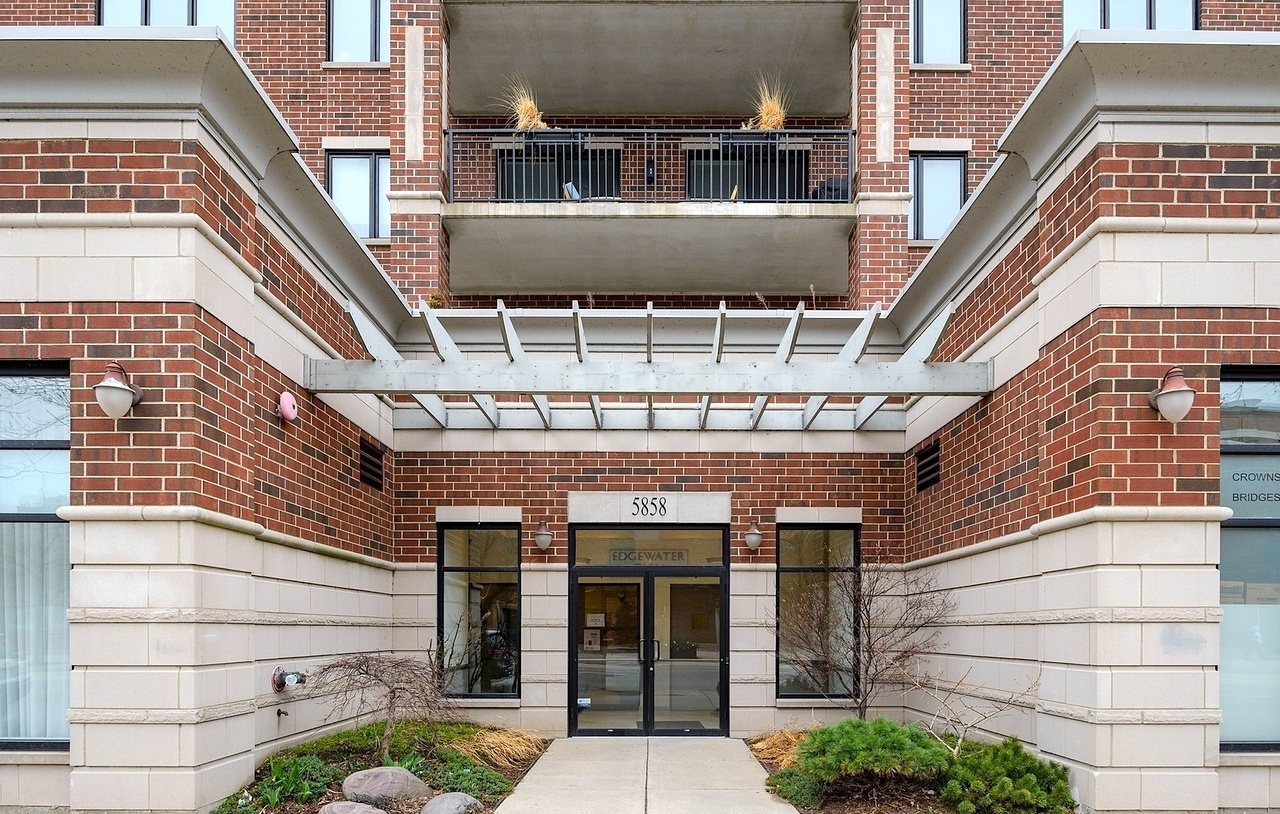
x: 1004, y: 778
x: 299, y: 779
x: 798, y: 788
x: 453, y: 771
x: 880, y: 748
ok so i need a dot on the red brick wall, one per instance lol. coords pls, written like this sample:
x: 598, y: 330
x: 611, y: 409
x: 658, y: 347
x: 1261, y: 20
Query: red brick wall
x: 206, y: 433
x: 1240, y: 15
x: 49, y: 12
x: 538, y: 482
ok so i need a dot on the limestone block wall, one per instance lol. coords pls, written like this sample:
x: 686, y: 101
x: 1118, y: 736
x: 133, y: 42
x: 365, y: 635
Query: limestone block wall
x: 1114, y: 612
x: 178, y: 618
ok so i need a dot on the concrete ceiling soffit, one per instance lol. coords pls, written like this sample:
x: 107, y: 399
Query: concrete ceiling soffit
x: 599, y: 58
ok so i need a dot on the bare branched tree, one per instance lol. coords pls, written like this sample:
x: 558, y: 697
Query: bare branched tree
x: 397, y: 687
x: 962, y: 706
x: 849, y: 633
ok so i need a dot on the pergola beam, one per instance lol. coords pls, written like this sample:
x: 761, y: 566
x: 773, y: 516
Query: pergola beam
x: 669, y: 378
x: 786, y: 347
x: 664, y: 419
x: 515, y: 353
x: 851, y: 352
x: 449, y: 352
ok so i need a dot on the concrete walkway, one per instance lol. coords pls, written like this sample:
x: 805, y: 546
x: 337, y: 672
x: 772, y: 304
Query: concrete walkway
x: 638, y: 775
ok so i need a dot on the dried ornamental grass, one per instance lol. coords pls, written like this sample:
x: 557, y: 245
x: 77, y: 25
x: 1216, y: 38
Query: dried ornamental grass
x: 777, y: 749
x: 523, y: 106
x: 770, y: 103
x: 506, y: 750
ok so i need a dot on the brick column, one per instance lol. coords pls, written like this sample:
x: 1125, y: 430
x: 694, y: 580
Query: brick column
x: 417, y: 259
x: 878, y: 259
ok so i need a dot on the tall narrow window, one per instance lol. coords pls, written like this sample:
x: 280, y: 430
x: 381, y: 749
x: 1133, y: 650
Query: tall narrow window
x: 937, y: 190
x: 220, y: 13
x: 1131, y: 15
x: 479, y: 609
x: 818, y: 587
x: 937, y: 36
x: 35, y: 567
x: 359, y: 30
x: 358, y: 185
x: 1250, y: 567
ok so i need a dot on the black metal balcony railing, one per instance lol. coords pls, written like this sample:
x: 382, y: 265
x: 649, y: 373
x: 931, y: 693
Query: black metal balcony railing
x: 650, y: 165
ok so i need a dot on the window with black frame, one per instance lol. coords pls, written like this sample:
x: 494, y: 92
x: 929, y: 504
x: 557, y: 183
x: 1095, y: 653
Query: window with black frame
x: 1249, y: 656
x: 358, y: 185
x: 220, y: 13
x: 937, y: 193
x: 748, y: 165
x: 479, y: 608
x: 1128, y: 15
x: 818, y: 588
x: 359, y: 30
x: 35, y: 564
x: 937, y: 32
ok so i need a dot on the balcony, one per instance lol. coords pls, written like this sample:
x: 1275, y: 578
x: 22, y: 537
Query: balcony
x: 619, y: 210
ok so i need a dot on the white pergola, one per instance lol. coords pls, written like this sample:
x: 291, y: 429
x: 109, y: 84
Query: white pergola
x: 655, y: 369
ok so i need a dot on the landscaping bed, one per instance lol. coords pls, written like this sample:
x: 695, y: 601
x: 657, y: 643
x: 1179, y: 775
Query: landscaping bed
x: 483, y: 762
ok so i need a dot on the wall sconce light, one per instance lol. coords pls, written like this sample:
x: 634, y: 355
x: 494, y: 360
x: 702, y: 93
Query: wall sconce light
x: 1173, y: 398
x: 115, y: 395
x: 282, y: 679
x: 753, y: 536
x: 542, y: 536
x: 287, y: 407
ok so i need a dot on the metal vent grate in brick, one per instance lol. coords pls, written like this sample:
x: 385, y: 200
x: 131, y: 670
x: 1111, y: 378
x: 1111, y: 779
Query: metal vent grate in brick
x: 928, y: 466
x: 370, y: 464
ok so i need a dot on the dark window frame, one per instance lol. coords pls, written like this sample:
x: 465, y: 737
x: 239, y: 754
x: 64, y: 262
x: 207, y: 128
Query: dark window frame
x: 193, y: 9
x: 1104, y: 17
x: 46, y: 369
x: 779, y: 530
x: 442, y: 568
x: 1259, y: 373
x: 375, y: 31
x: 376, y: 198
x: 918, y: 159
x: 917, y: 32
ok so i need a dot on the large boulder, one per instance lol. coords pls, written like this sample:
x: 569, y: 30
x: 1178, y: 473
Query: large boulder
x: 455, y: 802
x: 348, y: 807
x: 382, y: 785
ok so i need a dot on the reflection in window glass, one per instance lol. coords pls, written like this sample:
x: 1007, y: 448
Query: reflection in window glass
x: 1249, y: 660
x: 818, y: 586
x: 34, y: 408
x: 35, y: 668
x: 1250, y: 412
x: 34, y: 481
x: 1131, y: 15
x: 1175, y: 15
x: 121, y: 12
x: 937, y: 188
x: 35, y: 665
x: 351, y: 31
x: 649, y: 547
x: 221, y: 13
x: 480, y: 609
x: 358, y: 185
x: 939, y: 32
x: 168, y: 12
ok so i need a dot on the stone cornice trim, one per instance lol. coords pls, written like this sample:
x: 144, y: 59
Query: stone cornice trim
x: 175, y: 220
x: 1129, y: 716
x: 161, y: 716
x: 1098, y: 514
x: 201, y: 616
x: 1212, y: 226
x: 194, y: 514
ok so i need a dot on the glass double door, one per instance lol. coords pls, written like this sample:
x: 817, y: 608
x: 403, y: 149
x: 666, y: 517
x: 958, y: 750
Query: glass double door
x: 648, y: 653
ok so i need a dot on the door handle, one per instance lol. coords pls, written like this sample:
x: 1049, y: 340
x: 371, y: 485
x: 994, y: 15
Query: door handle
x: 657, y: 650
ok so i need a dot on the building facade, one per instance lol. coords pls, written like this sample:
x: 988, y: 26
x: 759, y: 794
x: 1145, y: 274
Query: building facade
x: 583, y: 411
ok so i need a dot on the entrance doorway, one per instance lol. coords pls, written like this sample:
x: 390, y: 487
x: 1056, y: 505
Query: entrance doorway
x: 649, y: 654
